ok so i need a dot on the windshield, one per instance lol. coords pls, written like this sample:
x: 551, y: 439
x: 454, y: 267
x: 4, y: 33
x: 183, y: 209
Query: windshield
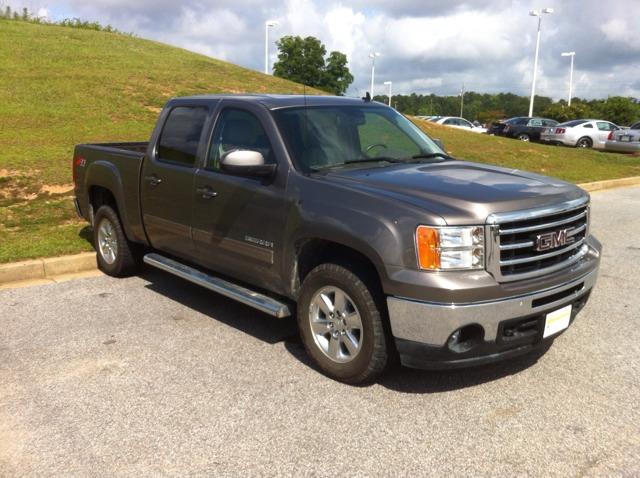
x: 323, y: 137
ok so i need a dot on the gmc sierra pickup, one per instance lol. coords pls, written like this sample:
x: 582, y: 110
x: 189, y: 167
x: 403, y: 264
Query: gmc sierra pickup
x: 343, y: 212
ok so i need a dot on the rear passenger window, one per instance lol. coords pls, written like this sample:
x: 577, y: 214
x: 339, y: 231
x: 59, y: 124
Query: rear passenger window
x: 588, y: 125
x: 180, y: 135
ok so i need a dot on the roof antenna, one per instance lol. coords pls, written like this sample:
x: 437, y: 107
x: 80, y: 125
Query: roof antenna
x: 367, y: 98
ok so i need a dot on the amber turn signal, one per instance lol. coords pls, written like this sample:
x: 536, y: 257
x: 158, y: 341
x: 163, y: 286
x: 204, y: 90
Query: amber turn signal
x: 428, y: 242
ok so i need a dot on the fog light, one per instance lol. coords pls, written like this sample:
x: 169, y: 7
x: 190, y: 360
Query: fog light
x: 465, y: 338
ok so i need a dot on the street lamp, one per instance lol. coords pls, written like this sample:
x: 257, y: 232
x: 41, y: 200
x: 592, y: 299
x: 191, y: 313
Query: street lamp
x: 536, y: 13
x: 268, y: 24
x: 373, y: 56
x: 571, y: 54
x: 389, y: 83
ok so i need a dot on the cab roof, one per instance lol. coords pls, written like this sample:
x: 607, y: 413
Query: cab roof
x: 273, y: 102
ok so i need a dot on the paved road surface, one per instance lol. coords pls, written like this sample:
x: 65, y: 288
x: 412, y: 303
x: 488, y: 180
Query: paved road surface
x: 153, y: 376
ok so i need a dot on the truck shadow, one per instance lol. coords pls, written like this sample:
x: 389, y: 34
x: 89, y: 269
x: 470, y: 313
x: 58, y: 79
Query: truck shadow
x: 219, y: 308
x: 406, y: 380
x: 271, y: 330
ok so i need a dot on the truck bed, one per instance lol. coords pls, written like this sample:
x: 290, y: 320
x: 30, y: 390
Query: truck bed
x: 123, y: 163
x: 138, y: 147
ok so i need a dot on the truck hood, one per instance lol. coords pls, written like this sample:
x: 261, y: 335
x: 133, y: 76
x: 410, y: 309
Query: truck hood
x: 460, y: 192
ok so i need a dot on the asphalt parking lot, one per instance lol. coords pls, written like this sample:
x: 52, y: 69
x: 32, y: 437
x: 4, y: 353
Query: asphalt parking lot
x: 153, y: 376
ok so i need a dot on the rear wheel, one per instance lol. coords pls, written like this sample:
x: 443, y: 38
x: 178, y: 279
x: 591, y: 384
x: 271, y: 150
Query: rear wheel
x: 117, y: 256
x: 340, y: 319
x: 584, y: 142
x: 524, y: 137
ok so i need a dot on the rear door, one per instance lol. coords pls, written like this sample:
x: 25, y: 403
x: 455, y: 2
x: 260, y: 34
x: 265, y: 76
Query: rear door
x: 167, y: 179
x: 239, y: 221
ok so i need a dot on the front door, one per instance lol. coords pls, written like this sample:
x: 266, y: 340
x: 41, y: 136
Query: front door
x: 238, y: 221
x: 167, y: 180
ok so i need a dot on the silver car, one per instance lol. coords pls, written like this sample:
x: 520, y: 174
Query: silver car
x: 624, y: 140
x: 582, y: 133
x: 460, y: 123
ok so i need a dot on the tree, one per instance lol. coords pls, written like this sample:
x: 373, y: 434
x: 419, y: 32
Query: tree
x: 337, y: 74
x: 303, y: 60
x: 562, y: 112
x: 618, y: 109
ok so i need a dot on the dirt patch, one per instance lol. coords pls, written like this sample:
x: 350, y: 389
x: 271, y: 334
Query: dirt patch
x: 56, y: 188
x: 154, y: 109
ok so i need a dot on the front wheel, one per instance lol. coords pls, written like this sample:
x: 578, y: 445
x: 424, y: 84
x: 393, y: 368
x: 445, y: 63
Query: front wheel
x: 524, y: 137
x: 340, y: 319
x: 117, y: 256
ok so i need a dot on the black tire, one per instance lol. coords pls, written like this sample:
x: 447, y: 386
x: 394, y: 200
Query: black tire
x: 524, y: 137
x: 584, y: 142
x: 373, y: 356
x: 126, y: 257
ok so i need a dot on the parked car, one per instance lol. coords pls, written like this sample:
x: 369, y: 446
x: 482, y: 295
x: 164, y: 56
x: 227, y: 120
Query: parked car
x: 345, y: 212
x: 624, y: 140
x: 581, y: 133
x: 524, y: 128
x: 460, y: 123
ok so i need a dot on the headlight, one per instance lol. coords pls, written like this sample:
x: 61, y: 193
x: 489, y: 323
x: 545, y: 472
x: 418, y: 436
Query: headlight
x: 450, y: 248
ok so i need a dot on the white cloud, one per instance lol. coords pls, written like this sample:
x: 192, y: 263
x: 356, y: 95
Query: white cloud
x: 431, y: 46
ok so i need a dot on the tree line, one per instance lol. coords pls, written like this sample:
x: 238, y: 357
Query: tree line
x: 485, y: 107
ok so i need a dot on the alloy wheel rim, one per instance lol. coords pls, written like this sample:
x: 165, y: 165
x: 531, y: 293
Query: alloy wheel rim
x: 107, y: 241
x: 336, y: 324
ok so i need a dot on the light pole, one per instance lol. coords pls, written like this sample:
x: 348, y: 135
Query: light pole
x: 571, y: 54
x: 389, y: 83
x: 373, y: 56
x: 536, y: 13
x: 268, y: 24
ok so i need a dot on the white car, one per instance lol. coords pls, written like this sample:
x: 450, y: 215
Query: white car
x: 460, y: 123
x: 624, y: 140
x: 582, y: 133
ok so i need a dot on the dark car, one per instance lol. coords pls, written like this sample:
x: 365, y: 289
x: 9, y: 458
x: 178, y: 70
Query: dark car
x: 344, y: 213
x: 524, y: 128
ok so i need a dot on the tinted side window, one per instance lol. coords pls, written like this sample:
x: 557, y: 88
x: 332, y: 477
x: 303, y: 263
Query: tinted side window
x: 238, y: 129
x: 588, y: 125
x: 181, y: 133
x: 535, y: 122
x: 450, y: 121
x: 635, y: 126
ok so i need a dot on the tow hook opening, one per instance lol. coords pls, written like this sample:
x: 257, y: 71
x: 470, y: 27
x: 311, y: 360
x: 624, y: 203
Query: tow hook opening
x: 465, y: 338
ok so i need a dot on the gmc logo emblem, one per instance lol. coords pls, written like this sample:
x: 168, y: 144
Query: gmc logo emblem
x: 553, y: 240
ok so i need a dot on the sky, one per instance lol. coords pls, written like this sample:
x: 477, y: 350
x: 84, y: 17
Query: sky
x: 425, y: 46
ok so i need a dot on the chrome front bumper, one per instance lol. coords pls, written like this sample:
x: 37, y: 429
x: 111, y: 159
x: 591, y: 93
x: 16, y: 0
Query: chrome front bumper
x: 433, y: 323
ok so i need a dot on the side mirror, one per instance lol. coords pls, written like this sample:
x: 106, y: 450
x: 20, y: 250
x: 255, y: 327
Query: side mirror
x: 246, y: 163
x: 439, y: 144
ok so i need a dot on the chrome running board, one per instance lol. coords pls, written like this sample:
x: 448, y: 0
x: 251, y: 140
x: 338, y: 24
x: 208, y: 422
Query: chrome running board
x: 248, y: 297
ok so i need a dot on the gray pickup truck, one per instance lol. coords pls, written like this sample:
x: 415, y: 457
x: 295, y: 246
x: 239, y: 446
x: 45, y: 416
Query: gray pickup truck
x: 342, y: 212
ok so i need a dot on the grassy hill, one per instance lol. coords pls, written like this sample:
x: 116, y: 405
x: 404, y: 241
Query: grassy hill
x: 61, y: 86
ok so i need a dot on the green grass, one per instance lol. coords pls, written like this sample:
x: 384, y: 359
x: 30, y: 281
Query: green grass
x: 571, y: 164
x: 62, y: 86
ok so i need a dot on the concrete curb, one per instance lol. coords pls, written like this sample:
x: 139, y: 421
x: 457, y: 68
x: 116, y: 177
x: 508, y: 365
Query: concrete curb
x: 47, y: 268
x: 610, y: 184
x: 44, y: 270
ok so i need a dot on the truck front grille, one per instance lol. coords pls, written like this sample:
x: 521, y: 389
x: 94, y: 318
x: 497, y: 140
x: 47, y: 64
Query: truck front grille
x: 536, y: 244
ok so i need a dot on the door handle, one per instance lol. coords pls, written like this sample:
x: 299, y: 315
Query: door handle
x: 153, y: 180
x: 206, y: 192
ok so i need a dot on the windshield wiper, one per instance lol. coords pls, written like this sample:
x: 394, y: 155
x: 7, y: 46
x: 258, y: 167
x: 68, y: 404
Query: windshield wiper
x: 431, y: 155
x: 387, y: 159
